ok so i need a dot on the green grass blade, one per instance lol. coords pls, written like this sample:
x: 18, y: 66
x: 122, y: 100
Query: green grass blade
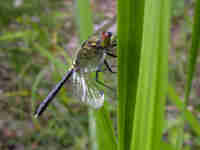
x: 104, y: 124
x: 130, y: 21
x: 9, y: 36
x: 84, y: 19
x: 58, y: 63
x: 193, y: 53
x: 35, y: 85
x: 153, y: 77
x: 85, y: 25
x: 166, y: 146
x: 103, y: 127
x: 174, y: 98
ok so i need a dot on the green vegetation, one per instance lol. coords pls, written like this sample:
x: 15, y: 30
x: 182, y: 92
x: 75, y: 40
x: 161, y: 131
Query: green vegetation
x: 158, y: 43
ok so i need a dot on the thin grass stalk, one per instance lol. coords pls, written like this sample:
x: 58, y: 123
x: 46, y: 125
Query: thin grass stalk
x: 101, y: 130
x: 192, y: 59
x: 105, y: 131
x: 189, y: 116
x: 85, y: 25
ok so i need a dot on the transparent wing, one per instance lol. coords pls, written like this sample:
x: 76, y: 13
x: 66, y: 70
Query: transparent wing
x: 86, y: 91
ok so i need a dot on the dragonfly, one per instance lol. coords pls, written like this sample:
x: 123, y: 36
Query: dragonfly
x: 90, y: 57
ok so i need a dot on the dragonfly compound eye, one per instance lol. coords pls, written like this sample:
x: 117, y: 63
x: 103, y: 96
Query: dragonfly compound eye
x: 109, y: 34
x: 106, y: 35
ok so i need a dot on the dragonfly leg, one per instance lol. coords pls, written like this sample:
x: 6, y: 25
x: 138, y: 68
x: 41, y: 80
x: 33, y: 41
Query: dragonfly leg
x: 110, y: 54
x: 108, y: 67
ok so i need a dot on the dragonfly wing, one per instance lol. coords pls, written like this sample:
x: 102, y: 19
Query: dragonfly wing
x: 86, y: 91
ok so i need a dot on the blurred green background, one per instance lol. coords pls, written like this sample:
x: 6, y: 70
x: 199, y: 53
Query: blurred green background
x: 37, y: 42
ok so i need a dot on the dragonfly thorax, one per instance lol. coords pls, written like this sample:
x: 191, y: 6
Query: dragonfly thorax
x: 89, y: 56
